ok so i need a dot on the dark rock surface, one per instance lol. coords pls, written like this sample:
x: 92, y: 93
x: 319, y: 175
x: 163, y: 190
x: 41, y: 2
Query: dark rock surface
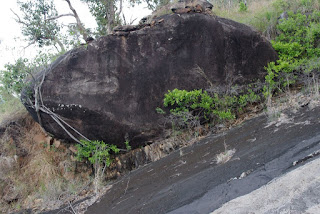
x: 189, y: 181
x: 111, y: 88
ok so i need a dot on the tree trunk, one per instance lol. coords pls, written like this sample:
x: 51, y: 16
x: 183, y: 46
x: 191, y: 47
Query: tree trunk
x: 110, y: 15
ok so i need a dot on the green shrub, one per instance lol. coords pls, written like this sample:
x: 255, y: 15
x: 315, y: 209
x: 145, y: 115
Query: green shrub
x: 127, y: 144
x: 183, y: 101
x: 199, y: 105
x: 96, y: 152
x: 242, y: 7
x: 9, y: 105
x: 14, y: 75
x: 298, y: 49
x: 198, y: 102
x: 307, y: 5
x: 160, y: 110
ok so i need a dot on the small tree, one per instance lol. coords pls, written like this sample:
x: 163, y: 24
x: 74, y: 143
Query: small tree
x: 39, y: 24
x: 14, y: 74
x: 98, y: 154
x: 35, y: 26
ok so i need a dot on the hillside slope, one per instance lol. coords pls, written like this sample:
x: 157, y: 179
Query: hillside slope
x: 191, y: 181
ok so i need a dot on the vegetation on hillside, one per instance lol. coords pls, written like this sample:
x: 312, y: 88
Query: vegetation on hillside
x: 263, y: 15
x: 291, y: 25
x: 35, y: 174
x: 294, y: 30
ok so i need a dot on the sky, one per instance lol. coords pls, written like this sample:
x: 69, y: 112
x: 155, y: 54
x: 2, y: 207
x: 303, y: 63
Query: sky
x: 12, y: 45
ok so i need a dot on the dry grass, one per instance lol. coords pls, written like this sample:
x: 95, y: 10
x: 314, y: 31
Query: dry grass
x: 292, y: 100
x: 44, y: 177
x: 254, y: 8
x: 225, y: 156
x: 10, y: 107
x: 261, y: 14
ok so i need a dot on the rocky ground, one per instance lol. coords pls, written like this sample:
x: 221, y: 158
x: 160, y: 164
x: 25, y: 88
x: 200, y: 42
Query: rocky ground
x: 295, y: 192
x: 257, y: 167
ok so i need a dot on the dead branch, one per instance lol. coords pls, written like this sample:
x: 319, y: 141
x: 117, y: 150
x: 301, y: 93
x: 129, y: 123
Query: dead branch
x: 125, y: 21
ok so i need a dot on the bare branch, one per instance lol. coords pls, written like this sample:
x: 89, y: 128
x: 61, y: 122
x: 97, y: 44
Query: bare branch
x: 59, y: 16
x: 124, y: 19
x: 18, y: 18
x: 81, y: 28
x: 31, y: 43
x: 132, y: 20
x: 44, y: 27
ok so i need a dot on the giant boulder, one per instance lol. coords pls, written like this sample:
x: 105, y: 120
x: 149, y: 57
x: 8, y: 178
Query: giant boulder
x: 110, y: 89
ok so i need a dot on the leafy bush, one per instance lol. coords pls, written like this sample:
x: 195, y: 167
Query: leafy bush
x: 191, y: 108
x: 198, y: 102
x: 183, y: 101
x: 97, y: 152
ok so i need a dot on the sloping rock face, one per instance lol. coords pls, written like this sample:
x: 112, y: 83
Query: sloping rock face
x: 111, y: 88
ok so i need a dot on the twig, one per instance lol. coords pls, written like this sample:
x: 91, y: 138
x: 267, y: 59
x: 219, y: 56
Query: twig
x: 31, y: 43
x: 124, y: 19
x: 132, y: 20
x: 19, y: 19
